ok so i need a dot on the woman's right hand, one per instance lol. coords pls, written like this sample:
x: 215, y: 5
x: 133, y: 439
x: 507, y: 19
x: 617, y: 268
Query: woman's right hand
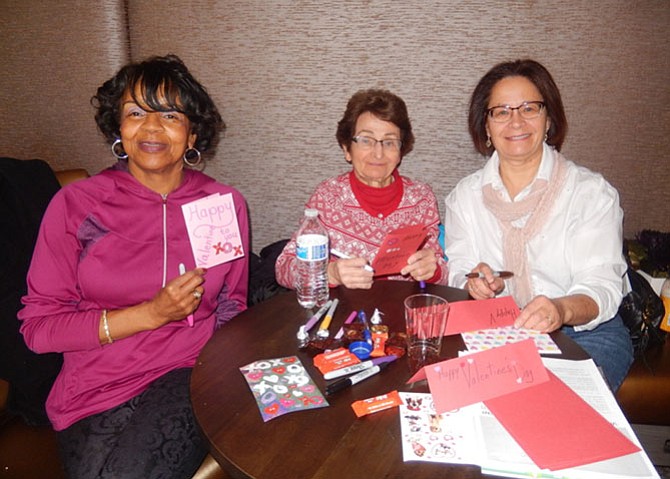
x: 350, y: 273
x: 179, y: 298
x: 488, y: 286
x: 174, y: 302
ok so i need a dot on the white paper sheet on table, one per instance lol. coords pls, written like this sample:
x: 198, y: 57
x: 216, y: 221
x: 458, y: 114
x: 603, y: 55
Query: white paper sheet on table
x: 472, y: 435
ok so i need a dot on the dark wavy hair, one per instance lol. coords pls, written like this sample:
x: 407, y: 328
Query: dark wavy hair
x: 540, y: 77
x: 384, y: 105
x: 165, y: 84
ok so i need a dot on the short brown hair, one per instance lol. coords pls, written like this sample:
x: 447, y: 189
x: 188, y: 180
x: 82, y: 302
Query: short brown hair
x: 384, y: 105
x: 540, y: 77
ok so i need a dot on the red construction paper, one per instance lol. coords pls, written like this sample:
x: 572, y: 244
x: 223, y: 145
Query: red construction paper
x: 467, y: 316
x: 557, y: 428
x: 396, y: 248
x: 484, y: 375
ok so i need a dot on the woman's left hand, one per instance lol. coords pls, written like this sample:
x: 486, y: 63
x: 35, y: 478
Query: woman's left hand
x: 421, y: 265
x: 541, y: 314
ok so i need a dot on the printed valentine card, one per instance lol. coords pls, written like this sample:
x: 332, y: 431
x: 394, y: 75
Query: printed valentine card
x: 281, y: 386
x: 396, y: 247
x: 213, y: 230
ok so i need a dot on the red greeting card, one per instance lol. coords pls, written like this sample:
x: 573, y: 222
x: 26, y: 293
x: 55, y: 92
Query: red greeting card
x: 491, y: 313
x: 397, y: 246
x: 465, y: 380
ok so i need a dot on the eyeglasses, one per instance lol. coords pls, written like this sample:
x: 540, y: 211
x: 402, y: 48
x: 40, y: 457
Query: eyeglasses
x: 527, y: 110
x: 368, y: 143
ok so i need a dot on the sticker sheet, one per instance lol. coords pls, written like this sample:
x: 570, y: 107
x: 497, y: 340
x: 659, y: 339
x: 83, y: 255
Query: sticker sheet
x: 428, y: 436
x: 492, y: 338
x: 281, y: 386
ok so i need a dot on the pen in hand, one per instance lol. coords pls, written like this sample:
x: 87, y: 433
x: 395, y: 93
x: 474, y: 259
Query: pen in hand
x: 189, y: 318
x: 342, y: 255
x: 497, y: 274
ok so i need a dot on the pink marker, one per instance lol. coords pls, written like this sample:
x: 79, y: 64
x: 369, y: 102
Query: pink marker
x: 189, y: 318
x: 351, y: 317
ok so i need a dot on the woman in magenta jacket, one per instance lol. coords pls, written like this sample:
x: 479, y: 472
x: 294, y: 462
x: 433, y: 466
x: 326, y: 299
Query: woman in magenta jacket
x: 105, y: 286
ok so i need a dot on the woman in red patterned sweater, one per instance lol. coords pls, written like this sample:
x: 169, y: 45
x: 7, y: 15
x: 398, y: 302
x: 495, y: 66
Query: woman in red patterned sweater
x: 360, y: 207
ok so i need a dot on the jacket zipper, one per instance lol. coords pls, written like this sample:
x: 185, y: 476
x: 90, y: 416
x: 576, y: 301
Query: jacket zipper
x: 164, y: 196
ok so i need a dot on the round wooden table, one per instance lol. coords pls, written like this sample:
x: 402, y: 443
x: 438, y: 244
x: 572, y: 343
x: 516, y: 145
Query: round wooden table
x: 329, y: 442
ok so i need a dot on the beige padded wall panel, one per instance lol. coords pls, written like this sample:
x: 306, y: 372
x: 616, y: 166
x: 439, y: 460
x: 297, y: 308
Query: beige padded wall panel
x: 54, y: 55
x: 282, y: 71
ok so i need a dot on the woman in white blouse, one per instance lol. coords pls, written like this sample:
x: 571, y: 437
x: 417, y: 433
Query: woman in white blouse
x: 555, y: 225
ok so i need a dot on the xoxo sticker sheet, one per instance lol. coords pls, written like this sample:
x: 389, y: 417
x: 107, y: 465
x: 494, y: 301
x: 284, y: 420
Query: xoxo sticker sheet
x: 281, y: 386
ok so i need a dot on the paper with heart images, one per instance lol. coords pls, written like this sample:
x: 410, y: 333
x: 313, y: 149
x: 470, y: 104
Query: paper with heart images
x: 481, y: 314
x: 485, y: 375
x: 492, y: 338
x: 396, y: 247
x: 213, y: 230
x: 281, y: 386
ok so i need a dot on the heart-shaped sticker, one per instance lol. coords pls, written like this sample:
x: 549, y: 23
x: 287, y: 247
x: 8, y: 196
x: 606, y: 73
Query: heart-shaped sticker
x: 272, y: 410
x: 273, y: 378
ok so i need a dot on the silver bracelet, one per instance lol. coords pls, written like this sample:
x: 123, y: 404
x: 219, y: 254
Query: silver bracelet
x: 105, y: 326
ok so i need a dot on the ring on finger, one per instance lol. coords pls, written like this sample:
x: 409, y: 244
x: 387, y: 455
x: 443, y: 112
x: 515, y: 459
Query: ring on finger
x: 197, y: 294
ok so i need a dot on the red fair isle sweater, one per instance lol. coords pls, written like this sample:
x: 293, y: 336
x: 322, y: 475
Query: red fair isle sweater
x: 358, y: 228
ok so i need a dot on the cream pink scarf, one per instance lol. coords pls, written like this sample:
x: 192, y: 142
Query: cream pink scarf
x: 537, y: 204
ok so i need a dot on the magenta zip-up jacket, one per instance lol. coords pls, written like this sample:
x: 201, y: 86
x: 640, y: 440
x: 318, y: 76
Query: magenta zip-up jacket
x: 108, y: 242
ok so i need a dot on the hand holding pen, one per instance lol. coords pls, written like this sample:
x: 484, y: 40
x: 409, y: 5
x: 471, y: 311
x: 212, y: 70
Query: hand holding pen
x: 484, y: 282
x: 354, y: 273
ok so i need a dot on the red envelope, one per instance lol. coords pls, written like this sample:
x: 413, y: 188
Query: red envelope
x: 481, y: 314
x: 557, y: 428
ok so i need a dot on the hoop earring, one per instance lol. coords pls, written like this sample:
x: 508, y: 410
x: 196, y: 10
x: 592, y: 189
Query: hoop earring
x: 120, y: 156
x: 488, y: 141
x: 190, y: 154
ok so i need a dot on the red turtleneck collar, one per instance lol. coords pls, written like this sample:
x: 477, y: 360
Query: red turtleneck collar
x: 378, y: 202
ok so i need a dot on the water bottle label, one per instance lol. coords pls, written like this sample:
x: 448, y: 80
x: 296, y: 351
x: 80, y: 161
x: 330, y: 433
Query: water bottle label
x: 312, y: 247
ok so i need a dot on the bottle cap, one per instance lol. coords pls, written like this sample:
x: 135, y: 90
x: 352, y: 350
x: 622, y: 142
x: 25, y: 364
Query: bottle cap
x: 361, y: 349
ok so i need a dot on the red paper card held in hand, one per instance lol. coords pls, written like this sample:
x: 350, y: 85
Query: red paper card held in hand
x: 396, y: 248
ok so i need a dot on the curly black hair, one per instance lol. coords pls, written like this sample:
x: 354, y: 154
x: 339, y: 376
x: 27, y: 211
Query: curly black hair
x: 165, y: 84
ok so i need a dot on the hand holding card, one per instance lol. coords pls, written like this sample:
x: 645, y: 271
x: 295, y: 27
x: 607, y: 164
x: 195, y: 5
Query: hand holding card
x: 396, y: 248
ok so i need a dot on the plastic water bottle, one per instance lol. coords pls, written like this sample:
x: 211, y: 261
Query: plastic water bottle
x: 312, y: 261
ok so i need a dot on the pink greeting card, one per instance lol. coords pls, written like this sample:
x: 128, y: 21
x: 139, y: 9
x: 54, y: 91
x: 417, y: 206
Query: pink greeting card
x: 484, y: 375
x: 396, y: 247
x: 481, y: 314
x: 281, y: 386
x: 213, y: 230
